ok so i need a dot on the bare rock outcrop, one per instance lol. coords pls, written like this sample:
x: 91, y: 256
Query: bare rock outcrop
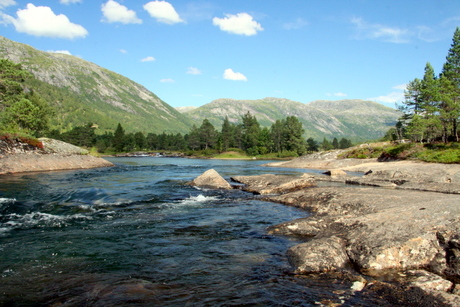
x: 274, y: 184
x: 18, y: 156
x: 211, y: 179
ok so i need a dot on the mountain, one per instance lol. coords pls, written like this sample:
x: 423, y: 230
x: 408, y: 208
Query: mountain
x: 83, y: 92
x: 355, y: 119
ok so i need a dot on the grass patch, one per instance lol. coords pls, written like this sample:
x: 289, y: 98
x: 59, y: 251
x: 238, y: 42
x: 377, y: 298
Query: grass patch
x: 444, y: 155
x: 435, y: 153
x: 231, y: 155
x: 364, y: 152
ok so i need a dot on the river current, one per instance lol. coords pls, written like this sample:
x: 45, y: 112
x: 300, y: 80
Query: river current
x: 137, y: 235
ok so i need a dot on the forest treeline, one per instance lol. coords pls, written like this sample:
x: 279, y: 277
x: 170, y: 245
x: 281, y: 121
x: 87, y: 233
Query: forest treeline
x: 284, y: 137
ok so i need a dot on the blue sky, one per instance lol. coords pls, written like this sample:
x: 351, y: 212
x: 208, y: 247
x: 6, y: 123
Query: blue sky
x: 192, y: 52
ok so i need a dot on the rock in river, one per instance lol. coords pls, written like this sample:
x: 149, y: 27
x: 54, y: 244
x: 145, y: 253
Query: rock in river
x: 210, y: 179
x: 274, y: 184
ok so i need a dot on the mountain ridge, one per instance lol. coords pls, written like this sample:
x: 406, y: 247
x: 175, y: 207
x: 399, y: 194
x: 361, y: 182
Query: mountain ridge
x: 351, y: 118
x: 82, y: 86
x: 83, y: 92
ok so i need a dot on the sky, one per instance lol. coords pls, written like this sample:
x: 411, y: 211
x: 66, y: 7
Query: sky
x: 190, y: 53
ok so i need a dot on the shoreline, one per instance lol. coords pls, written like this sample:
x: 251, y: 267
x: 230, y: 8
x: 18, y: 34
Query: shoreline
x: 25, y: 163
x: 52, y: 155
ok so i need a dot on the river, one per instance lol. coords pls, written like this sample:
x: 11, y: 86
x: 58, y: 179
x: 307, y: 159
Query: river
x: 137, y: 235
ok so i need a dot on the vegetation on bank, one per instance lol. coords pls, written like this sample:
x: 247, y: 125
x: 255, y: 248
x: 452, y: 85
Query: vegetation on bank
x: 429, y: 152
x: 432, y: 104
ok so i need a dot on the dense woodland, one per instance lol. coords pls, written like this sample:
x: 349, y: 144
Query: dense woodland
x: 285, y: 138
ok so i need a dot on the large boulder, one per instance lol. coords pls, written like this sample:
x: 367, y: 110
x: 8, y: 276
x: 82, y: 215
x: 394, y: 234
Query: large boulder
x: 274, y: 184
x: 210, y: 179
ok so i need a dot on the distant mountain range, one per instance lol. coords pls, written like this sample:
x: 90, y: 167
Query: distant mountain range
x: 83, y: 92
x: 351, y: 118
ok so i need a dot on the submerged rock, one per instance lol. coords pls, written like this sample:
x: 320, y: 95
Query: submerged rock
x: 210, y: 179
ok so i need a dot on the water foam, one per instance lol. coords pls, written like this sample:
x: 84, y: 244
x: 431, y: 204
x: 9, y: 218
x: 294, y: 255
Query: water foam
x: 7, y: 200
x: 40, y: 220
x: 199, y: 199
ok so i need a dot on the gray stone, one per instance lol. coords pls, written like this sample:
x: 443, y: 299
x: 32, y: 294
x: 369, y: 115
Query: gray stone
x: 274, y: 184
x: 211, y: 179
x: 321, y: 255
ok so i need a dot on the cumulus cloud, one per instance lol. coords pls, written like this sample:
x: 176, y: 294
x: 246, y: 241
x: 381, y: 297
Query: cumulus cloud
x: 296, y: 24
x: 5, y: 3
x: 148, y: 59
x: 163, y: 12
x: 365, y: 30
x: 167, y: 80
x: 392, y: 97
x: 115, y: 12
x: 41, y: 21
x: 242, y: 24
x: 60, y: 51
x: 229, y: 74
x: 194, y: 71
x: 70, y: 1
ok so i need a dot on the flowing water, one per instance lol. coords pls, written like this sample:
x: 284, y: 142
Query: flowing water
x: 137, y: 235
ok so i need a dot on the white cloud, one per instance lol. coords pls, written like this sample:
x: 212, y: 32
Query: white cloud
x: 70, y: 1
x: 366, y: 30
x: 229, y: 74
x: 392, y: 97
x: 148, y: 59
x: 339, y: 94
x: 163, y: 12
x: 6, y: 3
x: 41, y: 21
x: 194, y: 71
x: 167, y: 80
x: 401, y: 87
x: 60, y: 51
x: 297, y: 24
x: 123, y: 51
x: 115, y: 12
x: 242, y: 24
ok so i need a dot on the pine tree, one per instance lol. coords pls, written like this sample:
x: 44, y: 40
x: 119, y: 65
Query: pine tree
x: 207, y: 134
x: 251, y: 131
x: 227, y: 137
x: 292, y: 135
x: 119, y: 138
x: 450, y: 85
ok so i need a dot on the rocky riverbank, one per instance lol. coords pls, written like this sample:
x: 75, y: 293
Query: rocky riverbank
x: 18, y: 156
x: 395, y: 229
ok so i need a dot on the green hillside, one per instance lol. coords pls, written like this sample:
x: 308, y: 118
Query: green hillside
x: 82, y: 92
